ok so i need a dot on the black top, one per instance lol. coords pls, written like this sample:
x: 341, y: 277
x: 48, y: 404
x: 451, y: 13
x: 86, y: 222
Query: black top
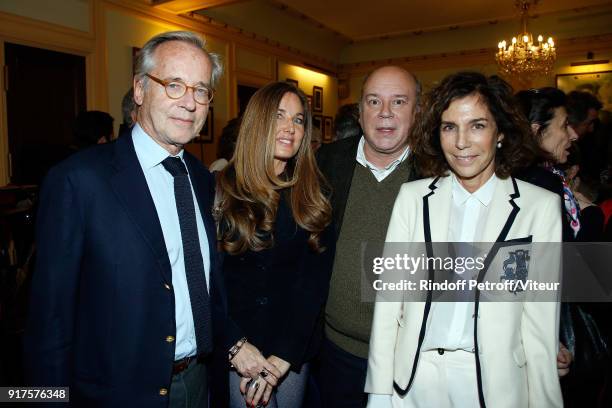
x: 275, y: 296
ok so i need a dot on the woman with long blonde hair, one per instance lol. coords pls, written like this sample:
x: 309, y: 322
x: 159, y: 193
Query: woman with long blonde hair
x: 274, y: 226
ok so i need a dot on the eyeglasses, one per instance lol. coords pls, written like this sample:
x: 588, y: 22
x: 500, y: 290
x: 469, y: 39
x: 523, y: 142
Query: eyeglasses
x: 202, y: 94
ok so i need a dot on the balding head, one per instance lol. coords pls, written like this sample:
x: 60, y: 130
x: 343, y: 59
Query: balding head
x: 389, y: 98
x: 391, y: 70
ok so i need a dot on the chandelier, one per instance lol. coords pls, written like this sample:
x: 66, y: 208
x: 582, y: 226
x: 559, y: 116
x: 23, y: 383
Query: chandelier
x: 523, y: 57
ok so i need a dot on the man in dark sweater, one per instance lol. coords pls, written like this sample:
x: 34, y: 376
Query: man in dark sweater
x: 365, y: 174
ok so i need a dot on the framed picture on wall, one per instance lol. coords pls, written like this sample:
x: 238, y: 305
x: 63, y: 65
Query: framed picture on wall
x: 328, y: 129
x: 317, y: 99
x: 207, y: 132
x: 317, y: 122
x: 293, y: 82
x: 597, y: 83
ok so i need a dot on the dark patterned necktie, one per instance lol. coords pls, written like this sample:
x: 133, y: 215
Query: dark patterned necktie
x: 194, y: 265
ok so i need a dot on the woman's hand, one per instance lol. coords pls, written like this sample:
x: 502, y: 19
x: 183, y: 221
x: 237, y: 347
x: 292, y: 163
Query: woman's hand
x: 255, y: 390
x: 564, y: 358
x: 249, y: 362
x: 280, y: 364
x: 260, y: 390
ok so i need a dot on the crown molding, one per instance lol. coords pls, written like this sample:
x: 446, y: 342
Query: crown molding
x: 569, y: 47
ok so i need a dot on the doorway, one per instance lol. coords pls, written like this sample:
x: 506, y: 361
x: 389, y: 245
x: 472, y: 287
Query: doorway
x: 46, y: 90
x: 245, y: 92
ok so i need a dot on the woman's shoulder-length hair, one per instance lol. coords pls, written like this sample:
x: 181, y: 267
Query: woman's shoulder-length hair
x: 518, y: 149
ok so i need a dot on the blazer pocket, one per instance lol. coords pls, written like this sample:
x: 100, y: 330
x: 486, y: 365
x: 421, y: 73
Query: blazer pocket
x: 519, y: 355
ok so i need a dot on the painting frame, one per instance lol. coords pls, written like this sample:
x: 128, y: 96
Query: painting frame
x: 317, y: 99
x: 207, y: 132
x: 317, y: 122
x: 597, y: 83
x: 328, y: 129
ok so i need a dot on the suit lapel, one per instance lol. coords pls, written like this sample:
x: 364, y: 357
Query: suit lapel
x: 503, y: 211
x: 341, y: 180
x: 438, y: 204
x: 130, y: 186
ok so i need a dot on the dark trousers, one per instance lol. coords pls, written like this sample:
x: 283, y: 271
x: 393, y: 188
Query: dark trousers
x: 341, y: 378
x: 189, y: 388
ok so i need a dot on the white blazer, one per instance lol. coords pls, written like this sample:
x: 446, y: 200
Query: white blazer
x: 516, y: 342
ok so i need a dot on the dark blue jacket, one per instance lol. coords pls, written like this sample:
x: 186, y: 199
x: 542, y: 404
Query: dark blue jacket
x: 102, y: 302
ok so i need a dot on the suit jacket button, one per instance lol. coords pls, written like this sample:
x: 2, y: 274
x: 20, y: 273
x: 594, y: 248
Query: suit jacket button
x: 170, y: 339
x: 167, y: 286
x: 163, y: 391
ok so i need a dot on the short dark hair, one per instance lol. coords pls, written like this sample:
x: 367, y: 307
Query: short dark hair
x: 227, y: 141
x: 90, y: 126
x: 578, y: 105
x: 347, y: 121
x: 538, y: 106
x: 518, y: 149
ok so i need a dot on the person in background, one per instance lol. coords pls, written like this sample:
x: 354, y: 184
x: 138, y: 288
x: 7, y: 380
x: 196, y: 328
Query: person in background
x: 468, y: 138
x: 592, y: 218
x: 346, y: 121
x: 316, y: 139
x: 545, y: 110
x: 593, y: 137
x: 365, y: 173
x: 129, y: 112
x: 226, y: 146
x: 274, y: 225
x: 92, y: 128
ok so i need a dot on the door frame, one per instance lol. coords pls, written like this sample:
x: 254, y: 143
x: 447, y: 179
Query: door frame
x: 33, y: 33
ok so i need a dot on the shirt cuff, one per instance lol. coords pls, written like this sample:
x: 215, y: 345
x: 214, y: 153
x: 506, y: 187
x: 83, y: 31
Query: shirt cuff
x: 379, y: 401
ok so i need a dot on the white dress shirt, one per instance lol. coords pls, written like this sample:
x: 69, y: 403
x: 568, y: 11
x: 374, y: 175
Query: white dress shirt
x: 161, y: 185
x: 450, y: 324
x: 380, y: 174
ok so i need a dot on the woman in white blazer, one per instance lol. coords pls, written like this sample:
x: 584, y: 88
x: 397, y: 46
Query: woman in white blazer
x: 469, y: 137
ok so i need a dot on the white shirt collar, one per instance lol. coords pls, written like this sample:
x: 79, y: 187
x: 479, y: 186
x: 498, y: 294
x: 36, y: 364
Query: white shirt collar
x: 379, y: 173
x: 149, y: 153
x: 484, y: 194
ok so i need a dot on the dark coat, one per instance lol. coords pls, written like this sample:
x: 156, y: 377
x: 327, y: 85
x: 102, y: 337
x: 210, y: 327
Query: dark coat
x: 102, y: 302
x: 276, y: 296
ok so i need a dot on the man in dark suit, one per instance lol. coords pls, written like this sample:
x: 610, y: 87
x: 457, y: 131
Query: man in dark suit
x: 127, y: 282
x: 360, y: 169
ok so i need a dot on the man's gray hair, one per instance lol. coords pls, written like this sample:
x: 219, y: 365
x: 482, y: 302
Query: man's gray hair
x: 145, y: 61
